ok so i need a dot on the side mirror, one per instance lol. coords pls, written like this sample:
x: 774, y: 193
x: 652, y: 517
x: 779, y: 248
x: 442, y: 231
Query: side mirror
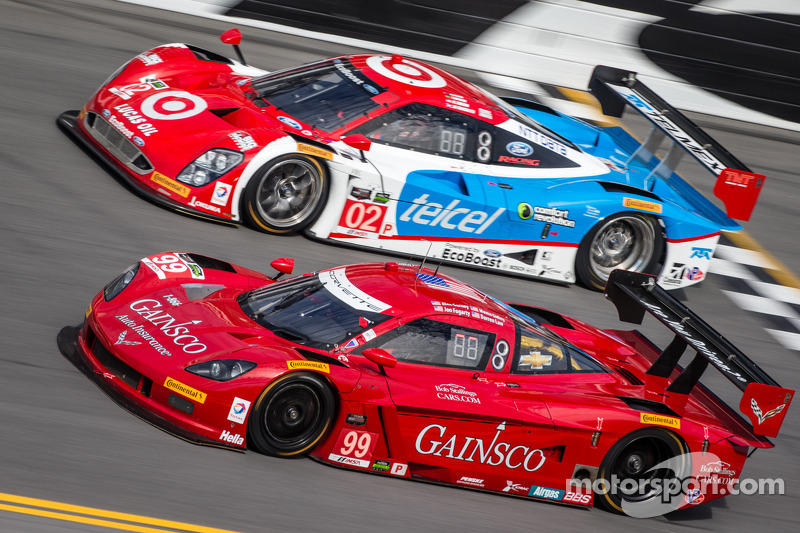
x: 358, y: 141
x: 380, y: 357
x: 284, y: 265
x: 232, y: 36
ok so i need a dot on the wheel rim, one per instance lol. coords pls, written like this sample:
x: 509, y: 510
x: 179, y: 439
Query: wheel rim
x: 626, y: 243
x: 635, y: 473
x: 293, y: 416
x: 288, y: 192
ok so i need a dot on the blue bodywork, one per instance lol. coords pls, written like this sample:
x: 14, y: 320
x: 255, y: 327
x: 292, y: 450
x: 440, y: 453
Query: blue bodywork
x: 581, y: 202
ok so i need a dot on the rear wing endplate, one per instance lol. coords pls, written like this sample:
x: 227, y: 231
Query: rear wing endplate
x: 736, y: 185
x: 764, y: 402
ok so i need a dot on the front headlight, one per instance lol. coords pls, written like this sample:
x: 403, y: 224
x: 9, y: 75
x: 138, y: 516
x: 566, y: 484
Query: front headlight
x: 210, y: 166
x: 120, y: 282
x: 221, y: 369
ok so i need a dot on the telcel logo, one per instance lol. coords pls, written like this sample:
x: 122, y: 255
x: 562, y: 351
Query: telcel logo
x: 450, y: 217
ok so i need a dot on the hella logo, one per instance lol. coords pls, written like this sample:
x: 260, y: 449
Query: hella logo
x: 233, y: 438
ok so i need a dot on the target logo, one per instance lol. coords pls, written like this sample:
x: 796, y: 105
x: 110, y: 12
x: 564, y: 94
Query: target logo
x: 406, y: 71
x: 173, y: 105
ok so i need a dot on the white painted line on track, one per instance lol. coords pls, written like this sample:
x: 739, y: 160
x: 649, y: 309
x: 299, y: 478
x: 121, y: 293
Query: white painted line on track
x: 746, y: 257
x: 776, y: 292
x: 786, y: 338
x: 761, y: 304
x: 724, y: 267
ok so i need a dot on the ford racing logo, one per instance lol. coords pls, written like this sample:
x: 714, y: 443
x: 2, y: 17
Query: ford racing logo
x: 138, y: 140
x: 369, y: 88
x: 491, y: 253
x: 519, y: 149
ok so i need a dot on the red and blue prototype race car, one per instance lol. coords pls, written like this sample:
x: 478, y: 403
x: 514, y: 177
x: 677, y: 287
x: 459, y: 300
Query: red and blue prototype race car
x: 397, y: 370
x: 389, y: 153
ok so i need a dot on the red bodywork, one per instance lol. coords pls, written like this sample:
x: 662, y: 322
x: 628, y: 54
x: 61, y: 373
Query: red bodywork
x: 175, y: 102
x: 488, y: 427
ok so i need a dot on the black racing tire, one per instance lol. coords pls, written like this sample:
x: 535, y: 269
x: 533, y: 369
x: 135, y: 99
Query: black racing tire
x: 286, y: 195
x: 627, y: 241
x: 631, y: 459
x: 292, y: 415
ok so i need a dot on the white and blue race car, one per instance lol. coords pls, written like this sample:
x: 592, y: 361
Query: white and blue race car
x: 393, y: 154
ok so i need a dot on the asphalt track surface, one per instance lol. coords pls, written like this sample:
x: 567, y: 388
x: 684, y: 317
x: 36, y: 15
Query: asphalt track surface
x: 67, y: 227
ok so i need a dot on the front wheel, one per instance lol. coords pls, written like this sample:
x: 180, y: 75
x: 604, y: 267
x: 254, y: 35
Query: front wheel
x: 627, y: 241
x: 286, y: 195
x: 292, y: 415
x: 642, y: 474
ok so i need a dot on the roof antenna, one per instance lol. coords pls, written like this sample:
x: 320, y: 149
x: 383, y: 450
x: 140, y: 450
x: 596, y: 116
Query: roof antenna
x: 422, y: 264
x: 435, y: 272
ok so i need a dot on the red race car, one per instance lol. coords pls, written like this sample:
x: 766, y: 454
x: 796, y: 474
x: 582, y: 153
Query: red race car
x: 389, y: 153
x: 398, y: 370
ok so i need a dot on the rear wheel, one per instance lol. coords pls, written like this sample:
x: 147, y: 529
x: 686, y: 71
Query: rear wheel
x: 637, y: 480
x: 292, y: 415
x: 627, y: 241
x: 286, y: 195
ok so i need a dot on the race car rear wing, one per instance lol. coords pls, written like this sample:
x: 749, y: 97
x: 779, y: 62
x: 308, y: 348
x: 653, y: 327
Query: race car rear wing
x: 736, y: 185
x: 764, y: 402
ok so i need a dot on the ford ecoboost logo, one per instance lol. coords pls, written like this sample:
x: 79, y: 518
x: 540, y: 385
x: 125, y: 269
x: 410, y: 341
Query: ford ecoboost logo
x: 491, y: 253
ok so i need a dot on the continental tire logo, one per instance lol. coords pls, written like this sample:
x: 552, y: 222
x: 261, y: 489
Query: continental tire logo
x: 313, y: 150
x: 660, y: 420
x: 309, y: 365
x: 185, y: 390
x: 170, y: 184
x: 642, y: 205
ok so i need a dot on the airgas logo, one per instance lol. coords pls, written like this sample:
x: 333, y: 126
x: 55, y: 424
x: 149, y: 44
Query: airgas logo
x: 546, y: 493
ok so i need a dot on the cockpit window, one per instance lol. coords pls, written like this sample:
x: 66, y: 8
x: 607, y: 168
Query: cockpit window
x: 325, y: 95
x: 424, y: 128
x: 539, y: 354
x: 436, y: 343
x: 304, y: 311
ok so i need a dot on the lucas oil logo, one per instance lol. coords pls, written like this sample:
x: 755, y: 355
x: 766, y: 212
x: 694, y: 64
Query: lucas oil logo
x: 438, y: 217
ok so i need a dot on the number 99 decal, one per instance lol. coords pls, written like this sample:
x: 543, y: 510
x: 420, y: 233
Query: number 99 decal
x: 354, y: 448
x: 500, y: 355
x: 174, y: 266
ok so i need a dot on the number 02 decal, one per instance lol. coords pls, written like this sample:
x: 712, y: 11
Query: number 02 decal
x: 354, y: 448
x: 361, y: 216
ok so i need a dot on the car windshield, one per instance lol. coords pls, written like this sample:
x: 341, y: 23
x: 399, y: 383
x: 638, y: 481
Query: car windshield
x: 326, y: 95
x: 306, y: 312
